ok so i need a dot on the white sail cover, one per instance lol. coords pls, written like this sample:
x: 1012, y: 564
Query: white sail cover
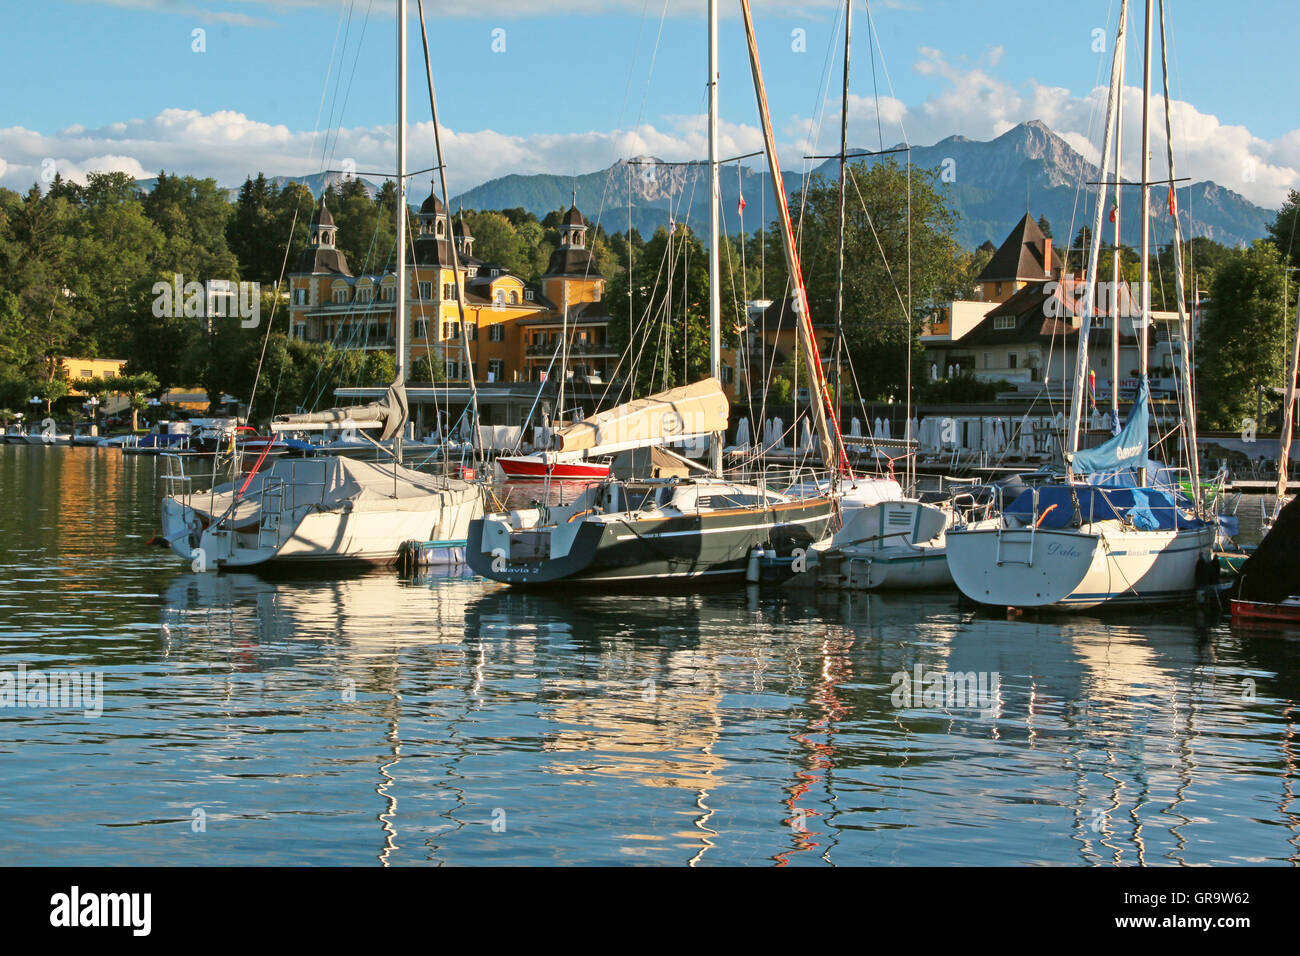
x: 697, y: 409
x: 332, y: 484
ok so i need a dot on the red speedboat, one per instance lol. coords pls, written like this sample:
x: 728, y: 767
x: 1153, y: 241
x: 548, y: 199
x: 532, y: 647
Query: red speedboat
x: 540, y: 466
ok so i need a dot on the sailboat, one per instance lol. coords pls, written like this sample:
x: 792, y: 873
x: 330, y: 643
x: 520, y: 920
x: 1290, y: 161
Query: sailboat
x: 693, y: 529
x: 329, y: 509
x: 1119, y: 530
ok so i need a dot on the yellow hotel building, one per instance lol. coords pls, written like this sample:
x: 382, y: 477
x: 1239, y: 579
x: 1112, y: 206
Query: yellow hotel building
x: 512, y: 324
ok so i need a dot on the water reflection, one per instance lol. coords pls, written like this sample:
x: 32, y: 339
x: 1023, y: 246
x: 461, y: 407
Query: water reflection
x: 445, y: 720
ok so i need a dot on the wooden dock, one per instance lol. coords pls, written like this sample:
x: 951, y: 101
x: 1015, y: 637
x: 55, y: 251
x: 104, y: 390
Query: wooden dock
x: 1261, y: 487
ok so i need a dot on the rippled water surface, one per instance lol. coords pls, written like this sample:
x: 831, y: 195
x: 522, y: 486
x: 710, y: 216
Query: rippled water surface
x: 369, y: 719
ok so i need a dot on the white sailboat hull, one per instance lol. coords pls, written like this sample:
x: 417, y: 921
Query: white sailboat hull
x: 1099, y: 565
x: 316, y: 536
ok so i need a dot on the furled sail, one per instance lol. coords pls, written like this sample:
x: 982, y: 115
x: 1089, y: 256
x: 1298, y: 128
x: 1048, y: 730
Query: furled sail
x: 389, y: 414
x: 691, y: 410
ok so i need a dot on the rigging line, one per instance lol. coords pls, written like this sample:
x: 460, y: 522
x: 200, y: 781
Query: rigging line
x: 347, y: 93
x: 885, y: 259
x: 475, y: 435
x: 622, y: 110
x: 875, y: 89
x: 328, y: 150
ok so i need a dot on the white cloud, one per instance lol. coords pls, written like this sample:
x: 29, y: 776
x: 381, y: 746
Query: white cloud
x: 974, y: 103
x: 228, y: 145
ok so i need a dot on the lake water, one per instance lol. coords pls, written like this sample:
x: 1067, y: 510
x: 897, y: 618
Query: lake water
x: 445, y: 720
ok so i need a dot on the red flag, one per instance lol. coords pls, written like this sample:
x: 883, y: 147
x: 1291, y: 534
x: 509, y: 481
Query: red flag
x: 741, y: 208
x: 1173, y: 202
x: 1114, y: 210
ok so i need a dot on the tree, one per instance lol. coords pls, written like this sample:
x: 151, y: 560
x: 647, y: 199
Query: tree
x: 1283, y: 230
x: 51, y: 390
x: 1243, y: 336
x: 672, y: 333
x: 136, y: 388
x: 380, y: 368
x: 1045, y: 226
x: 880, y: 239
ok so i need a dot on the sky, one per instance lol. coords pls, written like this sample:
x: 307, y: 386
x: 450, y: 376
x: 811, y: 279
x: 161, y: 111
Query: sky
x: 291, y: 87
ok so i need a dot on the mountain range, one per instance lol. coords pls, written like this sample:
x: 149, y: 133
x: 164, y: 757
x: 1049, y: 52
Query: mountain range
x: 991, y: 184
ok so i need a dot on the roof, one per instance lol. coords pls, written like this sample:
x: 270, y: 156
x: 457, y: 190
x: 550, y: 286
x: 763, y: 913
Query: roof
x: 432, y: 206
x: 572, y: 261
x: 429, y: 250
x: 1020, y: 256
x: 1032, y: 323
x: 317, y: 260
x: 574, y: 218
x: 323, y: 215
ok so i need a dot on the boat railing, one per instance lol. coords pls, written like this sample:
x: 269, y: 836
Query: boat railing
x: 181, y: 484
x: 795, y: 481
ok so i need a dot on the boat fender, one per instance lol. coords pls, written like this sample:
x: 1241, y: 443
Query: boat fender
x: 752, y: 573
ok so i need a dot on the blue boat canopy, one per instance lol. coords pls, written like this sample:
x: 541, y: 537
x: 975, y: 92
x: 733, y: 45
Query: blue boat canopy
x: 1149, y: 509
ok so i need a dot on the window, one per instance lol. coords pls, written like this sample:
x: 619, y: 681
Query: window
x: 496, y: 370
x: 300, y: 330
x: 988, y: 359
x: 449, y: 290
x: 528, y: 294
x: 514, y: 297
x: 595, y: 295
x: 497, y: 333
x: 450, y: 331
x: 300, y: 296
x: 388, y: 293
x: 1011, y: 360
x: 421, y: 329
x: 1004, y: 322
x: 364, y: 294
x: 341, y: 296
x: 426, y: 290
x: 452, y: 368
x: 728, y: 375
x: 471, y: 331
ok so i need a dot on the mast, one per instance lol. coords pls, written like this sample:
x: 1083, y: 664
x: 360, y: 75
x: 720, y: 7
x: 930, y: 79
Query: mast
x: 1145, y: 279
x: 823, y: 409
x: 453, y: 255
x: 1094, y: 251
x: 839, y: 261
x: 1186, y: 328
x: 1117, y: 273
x: 715, y: 283
x: 400, y: 363
x: 1284, y: 453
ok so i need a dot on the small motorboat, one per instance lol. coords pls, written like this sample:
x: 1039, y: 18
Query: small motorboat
x: 1265, y: 613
